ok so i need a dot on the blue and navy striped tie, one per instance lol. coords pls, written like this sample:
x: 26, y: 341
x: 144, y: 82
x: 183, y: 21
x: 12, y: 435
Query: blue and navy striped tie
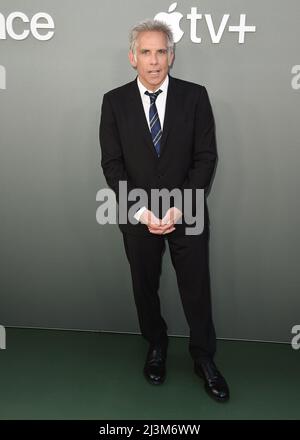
x: 155, y: 127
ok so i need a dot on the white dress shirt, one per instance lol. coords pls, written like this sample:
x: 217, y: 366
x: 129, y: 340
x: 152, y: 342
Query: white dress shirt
x: 161, y: 108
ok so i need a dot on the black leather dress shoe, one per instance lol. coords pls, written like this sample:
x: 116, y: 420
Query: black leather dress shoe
x: 155, y: 365
x: 215, y: 384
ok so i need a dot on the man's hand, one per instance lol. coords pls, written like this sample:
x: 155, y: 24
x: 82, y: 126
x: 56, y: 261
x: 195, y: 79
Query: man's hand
x: 164, y: 226
x: 172, y: 216
x: 148, y: 218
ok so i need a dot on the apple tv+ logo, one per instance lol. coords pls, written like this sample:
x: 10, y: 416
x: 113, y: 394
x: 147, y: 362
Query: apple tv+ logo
x: 216, y: 31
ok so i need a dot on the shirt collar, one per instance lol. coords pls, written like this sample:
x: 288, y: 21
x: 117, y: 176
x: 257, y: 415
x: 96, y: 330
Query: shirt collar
x: 163, y: 86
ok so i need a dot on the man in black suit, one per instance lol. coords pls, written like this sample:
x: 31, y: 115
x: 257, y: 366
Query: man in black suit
x: 158, y: 132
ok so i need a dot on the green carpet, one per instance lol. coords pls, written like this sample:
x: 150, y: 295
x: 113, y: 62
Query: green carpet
x: 51, y: 374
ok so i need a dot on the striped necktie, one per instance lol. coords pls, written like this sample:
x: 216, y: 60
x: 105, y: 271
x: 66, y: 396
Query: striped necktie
x: 155, y: 127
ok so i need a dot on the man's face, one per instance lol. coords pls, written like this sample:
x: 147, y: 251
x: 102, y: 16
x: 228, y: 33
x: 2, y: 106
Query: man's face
x: 152, y: 58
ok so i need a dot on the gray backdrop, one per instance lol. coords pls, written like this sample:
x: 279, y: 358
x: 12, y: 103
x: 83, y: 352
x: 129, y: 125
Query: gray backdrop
x: 56, y: 261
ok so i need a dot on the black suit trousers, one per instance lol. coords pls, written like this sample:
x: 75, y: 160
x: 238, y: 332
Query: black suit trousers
x: 189, y: 255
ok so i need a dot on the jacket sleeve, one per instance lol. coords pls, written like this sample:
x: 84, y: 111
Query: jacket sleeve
x: 204, y: 154
x: 112, y: 161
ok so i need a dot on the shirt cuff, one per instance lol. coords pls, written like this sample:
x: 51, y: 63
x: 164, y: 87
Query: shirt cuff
x: 138, y: 214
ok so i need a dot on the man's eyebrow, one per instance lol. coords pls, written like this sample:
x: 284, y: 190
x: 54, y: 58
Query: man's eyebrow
x: 145, y: 48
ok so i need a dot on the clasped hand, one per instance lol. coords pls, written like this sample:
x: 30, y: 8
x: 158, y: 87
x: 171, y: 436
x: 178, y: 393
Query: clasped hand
x: 161, y: 226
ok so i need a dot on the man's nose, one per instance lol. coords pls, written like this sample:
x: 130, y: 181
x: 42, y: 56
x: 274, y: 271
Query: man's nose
x: 153, y: 59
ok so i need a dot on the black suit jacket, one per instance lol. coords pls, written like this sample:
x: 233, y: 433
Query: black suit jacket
x: 188, y: 147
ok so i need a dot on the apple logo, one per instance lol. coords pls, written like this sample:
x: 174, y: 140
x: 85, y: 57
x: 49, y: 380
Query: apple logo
x: 172, y: 19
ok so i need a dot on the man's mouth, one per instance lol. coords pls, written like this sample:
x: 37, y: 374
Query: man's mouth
x: 154, y: 72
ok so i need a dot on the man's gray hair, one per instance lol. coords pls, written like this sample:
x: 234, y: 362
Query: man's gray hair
x: 150, y: 25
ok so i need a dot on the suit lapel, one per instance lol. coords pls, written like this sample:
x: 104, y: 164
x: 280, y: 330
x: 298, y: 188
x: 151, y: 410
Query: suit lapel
x: 140, y: 117
x: 170, y: 114
x: 141, y: 123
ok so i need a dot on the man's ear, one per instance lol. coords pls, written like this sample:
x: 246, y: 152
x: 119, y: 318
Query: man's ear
x: 131, y: 59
